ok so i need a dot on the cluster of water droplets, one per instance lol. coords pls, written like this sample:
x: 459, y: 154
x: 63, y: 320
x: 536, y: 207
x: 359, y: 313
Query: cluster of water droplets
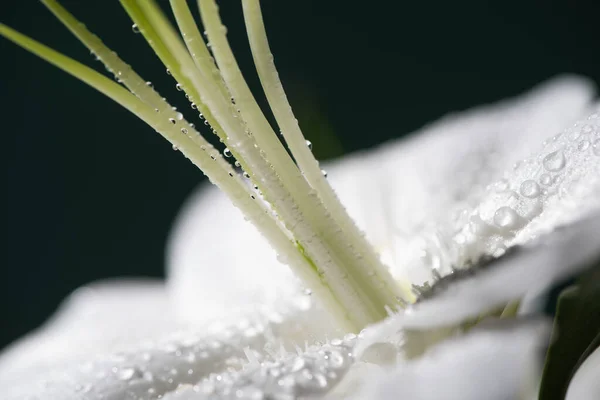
x: 558, y: 183
x: 309, y: 372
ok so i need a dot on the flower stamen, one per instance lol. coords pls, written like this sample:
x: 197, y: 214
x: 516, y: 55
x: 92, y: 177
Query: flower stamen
x: 303, y: 220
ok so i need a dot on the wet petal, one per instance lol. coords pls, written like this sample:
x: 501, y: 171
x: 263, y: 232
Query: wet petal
x: 309, y: 373
x: 585, y: 384
x: 104, y: 317
x: 218, y: 264
x: 426, y: 186
x: 120, y: 340
x: 529, y: 269
x: 497, y: 361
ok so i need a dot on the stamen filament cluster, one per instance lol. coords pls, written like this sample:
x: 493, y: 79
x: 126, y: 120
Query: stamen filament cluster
x: 296, y: 209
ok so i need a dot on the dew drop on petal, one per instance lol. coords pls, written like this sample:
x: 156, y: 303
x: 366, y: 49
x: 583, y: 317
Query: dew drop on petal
x: 583, y: 145
x: 168, y: 71
x: 506, y: 217
x: 125, y: 374
x: 178, y: 87
x: 172, y: 120
x: 227, y: 152
x: 530, y: 188
x: 545, y: 179
x: 596, y: 147
x: 135, y: 28
x: 501, y: 185
x: 554, y: 161
x: 324, y: 173
x: 309, y: 144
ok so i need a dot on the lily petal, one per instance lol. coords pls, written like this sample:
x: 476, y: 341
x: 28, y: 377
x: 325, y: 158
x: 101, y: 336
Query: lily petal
x: 585, y: 384
x: 411, y: 196
x: 104, y: 317
x: 497, y: 361
x: 528, y: 270
x: 120, y: 339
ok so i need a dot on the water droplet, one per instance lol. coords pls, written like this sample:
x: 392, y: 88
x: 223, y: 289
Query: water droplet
x: 179, y: 116
x: 178, y: 87
x: 174, y: 147
x: 583, y: 145
x: 135, y: 28
x: 168, y: 71
x: 246, y: 175
x: 309, y: 144
x: 501, y: 186
x: 554, y: 161
x: 506, y: 217
x: 307, y: 292
x: 545, y: 179
x: 184, y: 131
x: 324, y: 173
x: 237, y: 164
x: 149, y: 84
x: 194, y: 106
x: 530, y: 188
x: 227, y: 152
x: 125, y: 374
x: 575, y: 135
x: 172, y: 120
x: 596, y: 147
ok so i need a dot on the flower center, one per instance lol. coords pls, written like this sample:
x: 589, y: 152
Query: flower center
x: 292, y: 204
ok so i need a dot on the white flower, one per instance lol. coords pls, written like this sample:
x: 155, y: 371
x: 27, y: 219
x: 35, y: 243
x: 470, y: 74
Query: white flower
x: 491, y: 206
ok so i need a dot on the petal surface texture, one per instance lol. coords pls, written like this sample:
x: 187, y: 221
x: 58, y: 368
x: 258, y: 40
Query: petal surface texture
x: 492, y: 363
x: 585, y: 385
x: 120, y: 340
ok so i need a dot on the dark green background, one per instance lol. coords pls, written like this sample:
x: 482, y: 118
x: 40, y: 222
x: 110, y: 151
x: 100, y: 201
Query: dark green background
x: 91, y: 192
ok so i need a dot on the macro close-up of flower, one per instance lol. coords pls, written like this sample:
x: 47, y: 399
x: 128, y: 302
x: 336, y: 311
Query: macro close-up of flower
x: 460, y: 261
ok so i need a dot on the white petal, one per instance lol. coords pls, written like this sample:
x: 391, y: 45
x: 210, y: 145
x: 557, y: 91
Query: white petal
x: 531, y: 269
x: 586, y: 383
x: 412, y: 195
x: 116, y: 340
x: 218, y: 264
x: 307, y: 374
x: 104, y: 317
x: 494, y: 362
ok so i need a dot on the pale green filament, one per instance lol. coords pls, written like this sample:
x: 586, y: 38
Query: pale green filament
x: 266, y: 177
x: 288, y: 124
x: 310, y: 230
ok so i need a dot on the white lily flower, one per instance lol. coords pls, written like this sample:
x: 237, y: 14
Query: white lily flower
x: 267, y: 289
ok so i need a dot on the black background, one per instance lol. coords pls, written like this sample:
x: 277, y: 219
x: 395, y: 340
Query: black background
x: 91, y: 192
